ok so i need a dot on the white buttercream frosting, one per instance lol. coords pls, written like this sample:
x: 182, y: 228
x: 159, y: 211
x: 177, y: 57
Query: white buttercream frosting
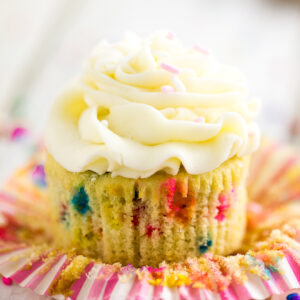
x: 145, y: 105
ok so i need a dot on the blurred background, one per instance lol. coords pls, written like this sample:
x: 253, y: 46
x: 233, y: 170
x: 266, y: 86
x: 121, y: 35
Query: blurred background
x: 43, y: 44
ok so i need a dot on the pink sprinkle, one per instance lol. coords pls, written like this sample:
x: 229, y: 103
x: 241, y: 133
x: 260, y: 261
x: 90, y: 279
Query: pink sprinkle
x: 170, y: 187
x: 167, y: 89
x: 222, y: 208
x: 7, y: 280
x: 170, y: 35
x: 200, y: 120
x: 18, y: 133
x: 150, y: 229
x: 201, y: 50
x: 170, y: 68
x: 39, y: 171
x: 153, y: 270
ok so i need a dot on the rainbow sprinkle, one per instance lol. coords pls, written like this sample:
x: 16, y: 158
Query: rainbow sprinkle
x: 293, y: 296
x: 80, y: 201
x: 18, y: 133
x: 150, y: 229
x: 180, y: 206
x: 222, y: 207
x: 170, y: 68
x: 201, y: 50
x: 7, y: 280
x: 39, y: 176
x: 200, y: 120
x: 204, y: 245
x: 167, y: 89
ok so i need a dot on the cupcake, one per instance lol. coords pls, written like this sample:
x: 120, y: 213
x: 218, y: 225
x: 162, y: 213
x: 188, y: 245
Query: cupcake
x: 148, y: 153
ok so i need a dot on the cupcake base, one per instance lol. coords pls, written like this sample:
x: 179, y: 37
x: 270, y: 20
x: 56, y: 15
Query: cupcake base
x: 147, y: 221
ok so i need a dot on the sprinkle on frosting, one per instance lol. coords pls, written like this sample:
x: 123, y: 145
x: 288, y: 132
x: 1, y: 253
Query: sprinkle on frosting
x: 200, y: 120
x: 170, y: 68
x: 167, y: 88
x: 201, y: 50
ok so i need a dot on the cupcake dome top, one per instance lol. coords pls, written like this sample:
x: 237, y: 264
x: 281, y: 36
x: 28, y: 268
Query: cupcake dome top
x: 145, y: 105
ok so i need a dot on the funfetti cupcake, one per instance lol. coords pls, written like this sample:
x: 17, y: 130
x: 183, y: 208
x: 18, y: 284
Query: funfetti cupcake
x: 148, y: 153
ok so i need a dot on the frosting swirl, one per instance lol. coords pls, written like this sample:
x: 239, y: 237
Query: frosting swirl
x: 142, y: 106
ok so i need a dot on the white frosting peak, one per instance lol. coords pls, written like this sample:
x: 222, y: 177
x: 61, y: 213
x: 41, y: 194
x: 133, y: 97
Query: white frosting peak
x: 142, y: 106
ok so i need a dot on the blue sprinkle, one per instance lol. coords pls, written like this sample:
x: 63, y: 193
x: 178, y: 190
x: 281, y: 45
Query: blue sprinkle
x: 39, y: 176
x: 80, y: 201
x: 41, y: 182
x: 204, y: 246
x: 272, y: 269
x: 294, y: 296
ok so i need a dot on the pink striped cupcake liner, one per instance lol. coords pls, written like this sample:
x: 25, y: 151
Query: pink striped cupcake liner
x: 269, y: 265
x: 40, y: 275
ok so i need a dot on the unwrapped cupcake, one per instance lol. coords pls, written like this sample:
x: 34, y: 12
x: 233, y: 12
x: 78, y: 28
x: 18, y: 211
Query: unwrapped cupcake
x: 148, y: 154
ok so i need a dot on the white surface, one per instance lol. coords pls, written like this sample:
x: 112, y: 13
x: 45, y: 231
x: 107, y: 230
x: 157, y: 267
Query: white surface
x: 14, y: 292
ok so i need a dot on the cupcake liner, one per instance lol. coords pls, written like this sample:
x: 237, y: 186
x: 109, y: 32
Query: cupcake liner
x: 95, y: 283
x: 269, y: 263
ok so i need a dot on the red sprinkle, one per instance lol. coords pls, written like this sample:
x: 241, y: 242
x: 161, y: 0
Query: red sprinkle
x: 137, y: 212
x: 7, y: 280
x: 222, y: 207
x: 150, y: 229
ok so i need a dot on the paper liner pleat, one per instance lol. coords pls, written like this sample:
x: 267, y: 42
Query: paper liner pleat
x: 94, y: 283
